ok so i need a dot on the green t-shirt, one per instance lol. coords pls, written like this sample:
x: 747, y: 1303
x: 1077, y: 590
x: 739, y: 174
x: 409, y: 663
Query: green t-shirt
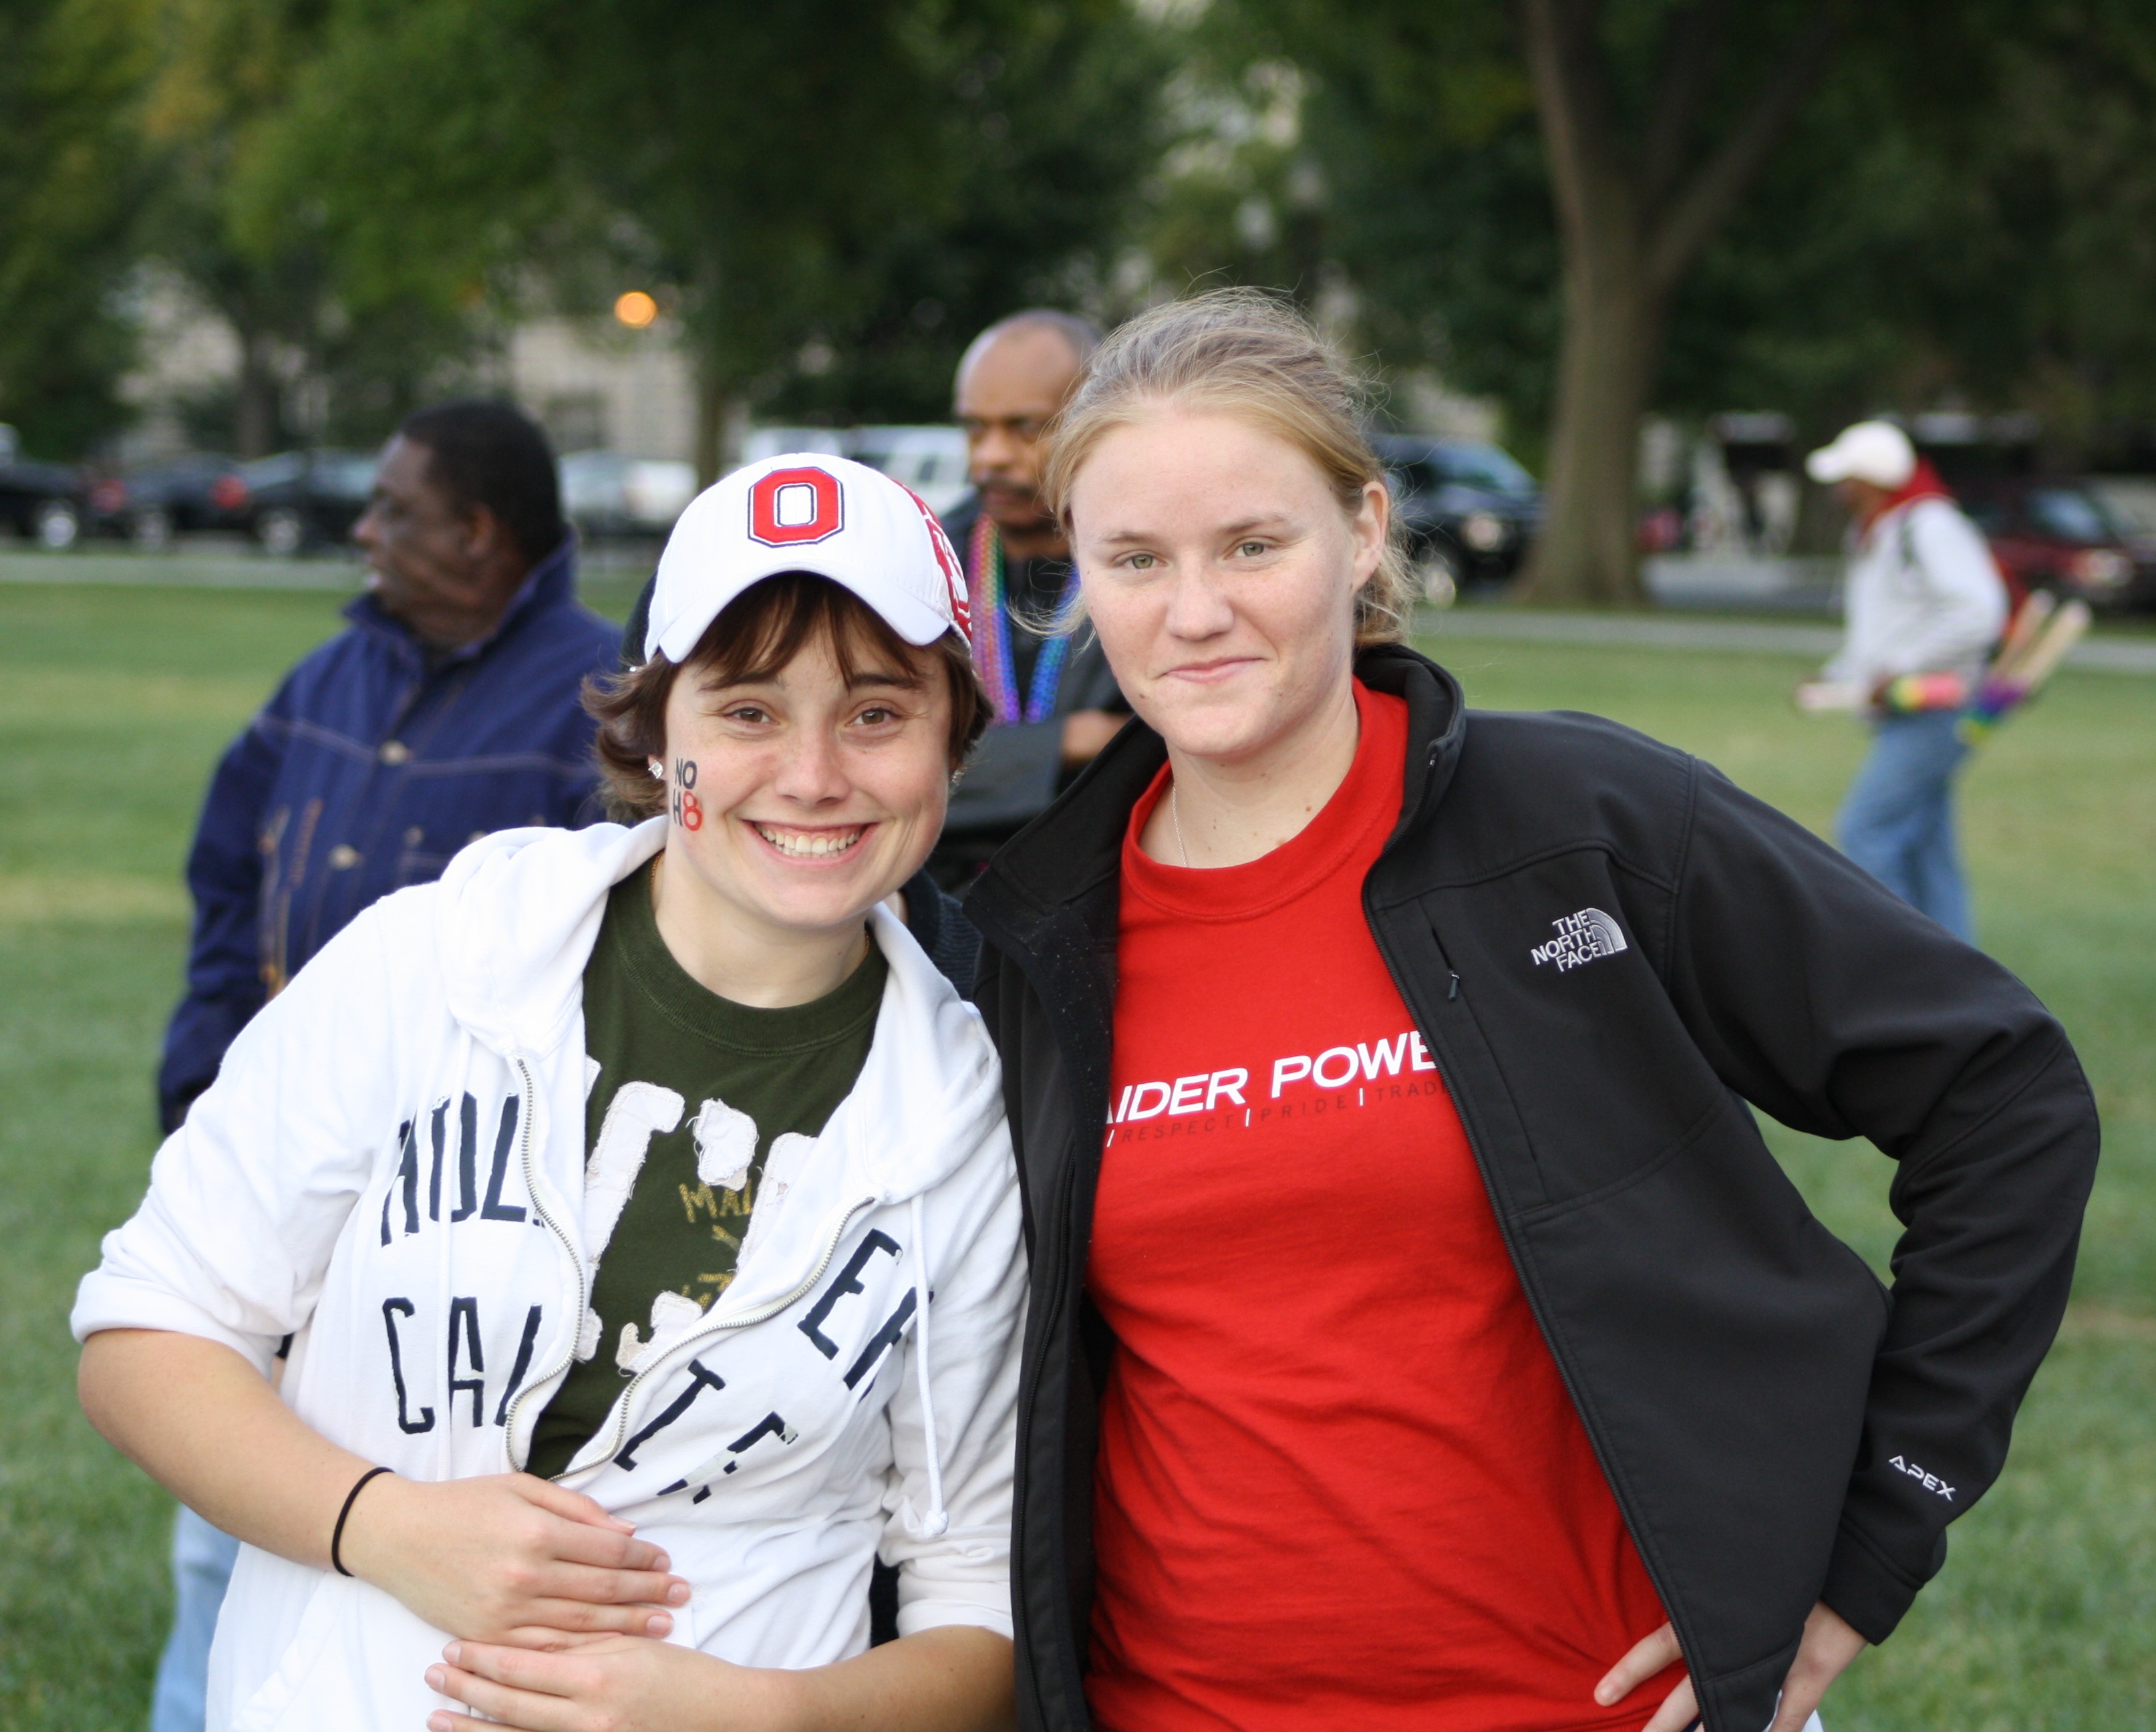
x: 646, y: 1021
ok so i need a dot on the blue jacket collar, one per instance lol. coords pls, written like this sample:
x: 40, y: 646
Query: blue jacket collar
x: 550, y: 584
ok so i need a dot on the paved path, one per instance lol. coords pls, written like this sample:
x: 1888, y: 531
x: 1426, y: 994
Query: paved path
x: 239, y: 571
x: 2110, y: 655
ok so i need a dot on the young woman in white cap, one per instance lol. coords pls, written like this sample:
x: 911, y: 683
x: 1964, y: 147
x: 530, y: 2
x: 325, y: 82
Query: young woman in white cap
x: 639, y: 1204
x: 1422, y: 1335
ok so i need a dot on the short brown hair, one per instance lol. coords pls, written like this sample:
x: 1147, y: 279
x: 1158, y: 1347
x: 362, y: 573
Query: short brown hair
x: 1252, y: 354
x: 757, y: 634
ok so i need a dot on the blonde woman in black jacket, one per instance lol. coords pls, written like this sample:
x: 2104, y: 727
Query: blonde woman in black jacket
x: 1421, y: 1334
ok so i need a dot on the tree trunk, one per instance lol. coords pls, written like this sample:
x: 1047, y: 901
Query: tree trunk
x: 1632, y: 216
x: 714, y: 399
x: 254, y: 418
x: 1587, y: 553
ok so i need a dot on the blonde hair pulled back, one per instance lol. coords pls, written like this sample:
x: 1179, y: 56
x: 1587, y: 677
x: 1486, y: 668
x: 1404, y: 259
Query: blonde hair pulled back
x: 1246, y: 353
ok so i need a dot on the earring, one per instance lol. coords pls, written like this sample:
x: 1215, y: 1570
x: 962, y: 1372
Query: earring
x: 658, y: 770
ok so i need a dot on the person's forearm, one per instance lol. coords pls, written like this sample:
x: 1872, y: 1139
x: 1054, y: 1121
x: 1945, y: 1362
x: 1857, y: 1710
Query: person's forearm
x: 952, y: 1679
x: 955, y: 1678
x: 498, y: 1557
x: 204, y: 1424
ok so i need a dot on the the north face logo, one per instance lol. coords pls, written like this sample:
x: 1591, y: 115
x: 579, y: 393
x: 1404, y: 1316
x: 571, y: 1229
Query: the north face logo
x: 1580, y: 937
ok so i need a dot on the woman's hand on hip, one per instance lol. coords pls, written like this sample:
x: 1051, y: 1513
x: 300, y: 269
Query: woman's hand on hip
x: 509, y: 1558
x: 1823, y: 1654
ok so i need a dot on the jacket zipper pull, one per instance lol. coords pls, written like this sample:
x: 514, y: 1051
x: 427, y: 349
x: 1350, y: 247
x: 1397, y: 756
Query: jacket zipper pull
x: 1452, y: 992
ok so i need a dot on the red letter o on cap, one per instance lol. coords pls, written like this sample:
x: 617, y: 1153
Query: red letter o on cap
x: 789, y: 507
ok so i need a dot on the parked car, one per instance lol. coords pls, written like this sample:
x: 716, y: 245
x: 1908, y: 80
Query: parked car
x: 305, y: 500
x: 605, y: 493
x: 930, y: 460
x: 759, y: 443
x: 2129, y: 501
x: 42, y: 502
x: 154, y: 504
x: 2048, y: 532
x: 1470, y: 510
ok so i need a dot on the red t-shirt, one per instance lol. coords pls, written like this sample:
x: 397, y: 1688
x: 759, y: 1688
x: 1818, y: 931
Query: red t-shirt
x: 1340, y: 1482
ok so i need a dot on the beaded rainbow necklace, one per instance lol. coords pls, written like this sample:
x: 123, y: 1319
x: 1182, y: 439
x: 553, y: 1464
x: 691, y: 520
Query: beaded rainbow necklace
x: 992, y: 633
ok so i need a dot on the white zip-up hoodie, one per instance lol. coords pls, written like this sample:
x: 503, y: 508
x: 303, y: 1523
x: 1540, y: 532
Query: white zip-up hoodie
x: 391, y: 1168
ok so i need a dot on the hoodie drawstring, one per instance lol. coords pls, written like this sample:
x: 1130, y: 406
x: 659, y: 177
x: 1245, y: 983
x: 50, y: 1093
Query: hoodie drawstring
x: 938, y: 1518
x: 451, y: 1126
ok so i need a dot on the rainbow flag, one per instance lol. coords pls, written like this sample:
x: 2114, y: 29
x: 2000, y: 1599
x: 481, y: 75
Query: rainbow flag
x: 2035, y: 643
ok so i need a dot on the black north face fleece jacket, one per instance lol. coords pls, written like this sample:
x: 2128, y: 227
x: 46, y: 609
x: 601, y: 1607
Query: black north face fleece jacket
x: 1610, y: 950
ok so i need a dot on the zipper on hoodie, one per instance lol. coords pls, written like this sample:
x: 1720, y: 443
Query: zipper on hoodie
x: 569, y: 1248
x: 622, y: 1405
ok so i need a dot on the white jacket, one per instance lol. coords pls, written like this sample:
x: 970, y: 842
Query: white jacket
x: 391, y: 1168
x: 1923, y: 596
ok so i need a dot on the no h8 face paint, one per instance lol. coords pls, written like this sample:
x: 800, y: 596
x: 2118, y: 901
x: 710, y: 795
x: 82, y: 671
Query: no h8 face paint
x: 687, y: 809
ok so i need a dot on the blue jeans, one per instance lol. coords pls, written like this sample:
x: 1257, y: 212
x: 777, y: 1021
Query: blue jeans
x: 202, y: 1565
x: 1898, y: 822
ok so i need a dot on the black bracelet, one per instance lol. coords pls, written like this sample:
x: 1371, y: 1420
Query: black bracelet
x: 352, y: 1497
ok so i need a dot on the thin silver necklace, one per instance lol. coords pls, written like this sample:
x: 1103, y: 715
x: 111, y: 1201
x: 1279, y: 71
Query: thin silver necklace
x: 1175, y: 817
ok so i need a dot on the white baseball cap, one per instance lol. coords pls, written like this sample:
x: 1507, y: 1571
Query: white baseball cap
x: 1875, y: 451
x: 807, y: 511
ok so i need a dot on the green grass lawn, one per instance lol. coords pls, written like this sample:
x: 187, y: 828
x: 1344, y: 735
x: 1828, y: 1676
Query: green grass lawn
x: 115, y: 702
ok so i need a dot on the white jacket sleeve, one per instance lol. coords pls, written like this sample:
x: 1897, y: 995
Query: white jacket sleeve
x: 247, y: 1198
x: 972, y: 1335
x: 1965, y: 609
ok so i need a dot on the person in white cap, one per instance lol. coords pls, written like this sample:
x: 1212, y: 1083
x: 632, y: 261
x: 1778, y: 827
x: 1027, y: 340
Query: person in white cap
x: 1923, y: 596
x: 638, y: 1204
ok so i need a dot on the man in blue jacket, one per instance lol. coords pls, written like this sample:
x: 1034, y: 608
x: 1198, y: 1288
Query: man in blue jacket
x: 449, y: 708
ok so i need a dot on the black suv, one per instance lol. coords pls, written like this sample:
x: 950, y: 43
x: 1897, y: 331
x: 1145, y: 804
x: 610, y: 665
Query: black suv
x: 305, y: 500
x: 1470, y: 510
x: 42, y: 502
x: 153, y: 505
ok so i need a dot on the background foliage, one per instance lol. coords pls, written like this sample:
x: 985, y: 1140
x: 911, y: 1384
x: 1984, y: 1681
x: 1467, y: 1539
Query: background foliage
x: 72, y: 191
x: 833, y: 194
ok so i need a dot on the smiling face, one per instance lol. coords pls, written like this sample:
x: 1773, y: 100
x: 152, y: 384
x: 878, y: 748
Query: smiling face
x: 1220, y: 570
x: 798, y: 799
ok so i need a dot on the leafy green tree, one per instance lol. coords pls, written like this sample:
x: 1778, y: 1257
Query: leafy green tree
x: 1053, y: 125
x: 1512, y: 183
x: 1591, y: 210
x: 1961, y: 215
x: 226, y: 100
x: 1410, y: 163
x: 72, y: 74
x: 1643, y: 170
x: 222, y: 78
x: 850, y: 177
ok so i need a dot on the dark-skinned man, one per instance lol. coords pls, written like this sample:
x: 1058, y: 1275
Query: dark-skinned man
x: 448, y: 708
x: 1057, y: 703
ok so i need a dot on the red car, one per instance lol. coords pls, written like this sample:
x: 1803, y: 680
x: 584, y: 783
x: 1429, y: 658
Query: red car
x: 2048, y: 533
